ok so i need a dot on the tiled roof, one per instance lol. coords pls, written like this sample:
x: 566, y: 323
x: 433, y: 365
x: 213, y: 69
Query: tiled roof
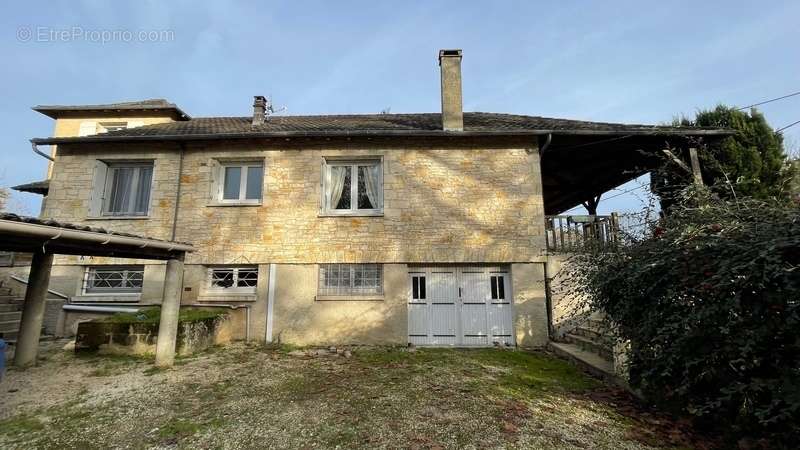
x: 149, y: 104
x: 69, y: 226
x: 374, y: 124
x: 36, y: 187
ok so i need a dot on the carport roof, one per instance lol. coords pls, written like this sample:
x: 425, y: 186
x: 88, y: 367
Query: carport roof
x: 33, y: 235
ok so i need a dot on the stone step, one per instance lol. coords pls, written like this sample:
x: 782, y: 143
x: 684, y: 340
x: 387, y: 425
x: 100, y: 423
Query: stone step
x: 600, y: 348
x: 9, y: 325
x: 10, y: 299
x: 590, y: 362
x: 9, y: 316
x: 9, y: 307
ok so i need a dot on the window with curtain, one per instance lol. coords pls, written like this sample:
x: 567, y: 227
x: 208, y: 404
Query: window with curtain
x: 353, y: 187
x: 127, y: 189
x: 241, y: 182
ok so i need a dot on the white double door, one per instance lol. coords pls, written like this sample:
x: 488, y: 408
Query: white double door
x: 460, y: 306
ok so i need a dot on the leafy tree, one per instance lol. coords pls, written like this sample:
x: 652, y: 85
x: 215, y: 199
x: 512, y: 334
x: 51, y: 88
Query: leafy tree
x: 753, y: 163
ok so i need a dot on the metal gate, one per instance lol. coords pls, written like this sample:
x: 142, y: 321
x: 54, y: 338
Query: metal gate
x: 460, y: 306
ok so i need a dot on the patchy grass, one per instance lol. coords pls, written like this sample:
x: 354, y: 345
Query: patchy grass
x: 248, y: 396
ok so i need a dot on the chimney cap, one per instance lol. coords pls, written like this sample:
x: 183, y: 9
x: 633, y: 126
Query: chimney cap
x: 259, y: 100
x: 449, y: 53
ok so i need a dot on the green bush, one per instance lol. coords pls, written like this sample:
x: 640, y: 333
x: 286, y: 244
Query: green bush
x: 710, y: 303
x: 153, y: 315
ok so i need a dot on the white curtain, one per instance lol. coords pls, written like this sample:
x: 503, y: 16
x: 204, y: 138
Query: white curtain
x: 121, y: 190
x: 338, y: 174
x: 373, y: 183
x: 143, y: 191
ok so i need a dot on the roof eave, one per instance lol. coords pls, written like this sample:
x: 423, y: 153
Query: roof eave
x: 374, y: 133
x: 54, y: 112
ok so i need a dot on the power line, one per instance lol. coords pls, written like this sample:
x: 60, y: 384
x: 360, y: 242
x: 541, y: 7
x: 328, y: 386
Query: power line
x: 769, y: 101
x: 787, y: 126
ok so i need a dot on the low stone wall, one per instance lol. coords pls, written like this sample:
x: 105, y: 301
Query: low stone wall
x: 107, y: 337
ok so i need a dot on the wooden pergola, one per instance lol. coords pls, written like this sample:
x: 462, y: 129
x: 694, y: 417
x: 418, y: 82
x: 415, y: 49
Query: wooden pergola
x: 577, y: 167
x: 46, y: 238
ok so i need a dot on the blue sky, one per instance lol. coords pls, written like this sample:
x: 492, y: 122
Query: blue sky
x: 606, y: 61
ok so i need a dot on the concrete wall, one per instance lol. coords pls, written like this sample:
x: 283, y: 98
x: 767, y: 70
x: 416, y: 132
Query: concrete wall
x: 530, y: 304
x: 300, y: 319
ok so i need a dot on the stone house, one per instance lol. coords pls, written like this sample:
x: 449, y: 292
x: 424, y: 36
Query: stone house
x: 426, y: 229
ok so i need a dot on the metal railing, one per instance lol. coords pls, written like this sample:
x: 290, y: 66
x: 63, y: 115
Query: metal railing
x: 570, y: 233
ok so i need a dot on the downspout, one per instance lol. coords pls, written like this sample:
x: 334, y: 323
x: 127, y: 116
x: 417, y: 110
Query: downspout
x: 39, y: 152
x: 548, y: 293
x: 547, y: 142
x: 178, y: 191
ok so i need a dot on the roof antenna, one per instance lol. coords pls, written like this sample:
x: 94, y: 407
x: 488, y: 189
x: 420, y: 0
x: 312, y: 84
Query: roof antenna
x: 387, y: 110
x: 270, y: 110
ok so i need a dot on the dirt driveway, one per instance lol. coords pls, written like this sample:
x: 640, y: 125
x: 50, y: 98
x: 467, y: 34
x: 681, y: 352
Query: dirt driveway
x: 246, y: 396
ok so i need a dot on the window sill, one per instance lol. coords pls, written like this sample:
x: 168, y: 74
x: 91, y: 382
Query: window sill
x: 348, y: 298
x: 351, y: 214
x: 118, y: 218
x: 106, y: 298
x: 215, y: 204
x: 227, y: 297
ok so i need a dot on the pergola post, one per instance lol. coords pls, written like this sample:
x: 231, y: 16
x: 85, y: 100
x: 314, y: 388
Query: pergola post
x: 170, y: 308
x: 33, y: 310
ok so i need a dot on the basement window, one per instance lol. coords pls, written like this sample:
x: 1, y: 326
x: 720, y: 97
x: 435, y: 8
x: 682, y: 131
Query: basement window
x: 233, y: 279
x: 352, y: 187
x: 114, y: 280
x: 350, y: 280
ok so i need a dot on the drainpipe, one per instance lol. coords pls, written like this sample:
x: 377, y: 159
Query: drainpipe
x: 547, y: 142
x: 39, y: 152
x: 178, y: 191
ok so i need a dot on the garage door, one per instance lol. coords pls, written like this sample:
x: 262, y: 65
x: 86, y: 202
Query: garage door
x: 460, y: 306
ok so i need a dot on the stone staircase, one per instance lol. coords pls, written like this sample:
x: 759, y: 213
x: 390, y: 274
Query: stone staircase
x: 591, y: 346
x: 10, y: 314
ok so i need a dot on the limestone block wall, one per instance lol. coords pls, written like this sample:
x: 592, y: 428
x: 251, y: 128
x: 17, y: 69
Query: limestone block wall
x: 454, y: 203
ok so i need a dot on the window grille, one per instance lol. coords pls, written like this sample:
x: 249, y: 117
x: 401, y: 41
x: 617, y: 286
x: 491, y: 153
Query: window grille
x: 350, y: 279
x: 112, y: 280
x: 233, y: 279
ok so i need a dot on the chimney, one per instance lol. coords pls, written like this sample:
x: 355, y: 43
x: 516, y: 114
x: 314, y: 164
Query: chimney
x: 259, y: 110
x: 452, y: 113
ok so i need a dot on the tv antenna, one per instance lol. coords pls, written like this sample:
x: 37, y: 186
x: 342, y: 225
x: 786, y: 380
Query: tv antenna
x: 270, y: 109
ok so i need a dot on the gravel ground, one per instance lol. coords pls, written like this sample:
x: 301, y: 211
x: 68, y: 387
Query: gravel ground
x: 247, y: 396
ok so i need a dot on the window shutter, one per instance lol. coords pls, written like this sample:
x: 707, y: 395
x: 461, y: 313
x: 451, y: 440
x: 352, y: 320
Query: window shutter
x: 98, y: 188
x: 215, y: 176
x: 135, y: 123
x: 87, y: 129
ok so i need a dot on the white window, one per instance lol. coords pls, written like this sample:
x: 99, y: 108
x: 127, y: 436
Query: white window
x: 114, y: 279
x: 350, y: 279
x: 241, y: 182
x: 233, y: 279
x: 126, y: 191
x: 105, y: 127
x: 353, y: 187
